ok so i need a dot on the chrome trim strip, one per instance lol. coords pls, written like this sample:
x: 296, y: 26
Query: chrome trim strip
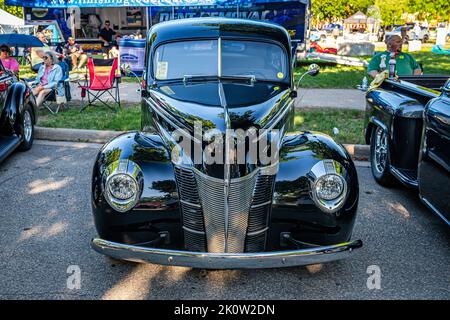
x: 204, y: 260
x: 255, y: 233
x: 193, y: 231
x: 226, y: 166
x: 261, y: 204
x: 190, y: 204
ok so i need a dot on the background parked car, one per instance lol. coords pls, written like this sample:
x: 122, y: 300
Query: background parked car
x: 18, y: 114
x: 411, y: 145
x: 318, y: 34
x: 410, y: 34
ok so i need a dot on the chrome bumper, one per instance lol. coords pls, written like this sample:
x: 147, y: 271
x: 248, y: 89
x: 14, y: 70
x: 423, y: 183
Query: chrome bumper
x: 205, y: 260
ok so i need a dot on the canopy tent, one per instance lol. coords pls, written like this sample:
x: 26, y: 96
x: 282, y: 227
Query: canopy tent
x: 357, y: 18
x: 9, y: 19
x: 10, y: 23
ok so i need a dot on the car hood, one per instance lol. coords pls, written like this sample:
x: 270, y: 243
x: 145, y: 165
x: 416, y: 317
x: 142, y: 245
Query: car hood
x: 220, y: 106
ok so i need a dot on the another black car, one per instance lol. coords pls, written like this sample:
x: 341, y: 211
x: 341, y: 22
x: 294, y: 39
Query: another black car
x: 17, y: 114
x: 408, y: 129
x: 157, y: 197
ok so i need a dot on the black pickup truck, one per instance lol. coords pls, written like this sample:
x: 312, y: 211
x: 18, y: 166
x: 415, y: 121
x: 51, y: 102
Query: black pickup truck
x: 408, y: 129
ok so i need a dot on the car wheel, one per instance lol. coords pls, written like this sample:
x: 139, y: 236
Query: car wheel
x: 425, y: 38
x: 27, y: 130
x: 379, y: 158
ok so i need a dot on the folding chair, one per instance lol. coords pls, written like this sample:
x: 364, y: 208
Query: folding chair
x: 63, y: 85
x: 50, y: 98
x: 102, y: 80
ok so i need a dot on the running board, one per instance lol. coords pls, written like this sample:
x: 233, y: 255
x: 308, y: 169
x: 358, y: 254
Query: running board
x: 8, y: 145
x: 406, y: 177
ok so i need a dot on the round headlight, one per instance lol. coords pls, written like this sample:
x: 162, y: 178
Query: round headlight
x: 329, y: 187
x: 122, y: 186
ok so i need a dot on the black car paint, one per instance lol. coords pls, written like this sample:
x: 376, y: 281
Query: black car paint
x: 416, y: 119
x: 168, y: 105
x: 15, y: 95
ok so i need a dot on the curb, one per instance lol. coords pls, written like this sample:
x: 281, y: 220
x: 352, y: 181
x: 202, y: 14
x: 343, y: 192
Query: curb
x: 357, y: 151
x: 75, y: 135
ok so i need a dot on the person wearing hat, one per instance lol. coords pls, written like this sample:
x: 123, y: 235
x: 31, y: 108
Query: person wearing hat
x: 406, y: 65
x: 48, y: 78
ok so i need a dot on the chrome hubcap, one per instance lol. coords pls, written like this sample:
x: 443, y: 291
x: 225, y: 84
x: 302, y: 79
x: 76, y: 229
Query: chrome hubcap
x: 27, y: 126
x: 380, y: 150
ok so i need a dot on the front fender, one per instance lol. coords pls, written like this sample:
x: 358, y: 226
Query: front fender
x: 18, y: 96
x: 383, y: 106
x: 293, y: 207
x: 158, y: 203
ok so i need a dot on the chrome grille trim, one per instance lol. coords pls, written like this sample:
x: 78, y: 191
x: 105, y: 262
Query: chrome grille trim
x: 225, y: 232
x: 203, y: 205
x: 191, y: 210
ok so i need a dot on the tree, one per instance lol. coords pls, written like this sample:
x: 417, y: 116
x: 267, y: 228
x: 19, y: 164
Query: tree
x: 392, y: 10
x: 327, y: 10
x: 17, y: 11
x: 353, y: 6
x: 331, y: 9
x: 438, y: 9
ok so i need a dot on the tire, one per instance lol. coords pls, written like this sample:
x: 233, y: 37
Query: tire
x: 380, y: 159
x: 425, y: 38
x: 27, y: 127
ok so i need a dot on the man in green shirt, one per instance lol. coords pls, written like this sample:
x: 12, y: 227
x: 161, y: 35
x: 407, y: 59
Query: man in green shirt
x: 406, y: 65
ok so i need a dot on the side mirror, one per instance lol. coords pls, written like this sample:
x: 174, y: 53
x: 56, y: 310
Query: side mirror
x: 313, y: 70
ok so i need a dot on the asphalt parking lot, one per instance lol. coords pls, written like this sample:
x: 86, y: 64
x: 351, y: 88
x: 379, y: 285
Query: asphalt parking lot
x: 46, y: 226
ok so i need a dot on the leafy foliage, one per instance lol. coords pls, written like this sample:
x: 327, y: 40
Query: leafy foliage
x: 391, y: 10
x: 17, y: 11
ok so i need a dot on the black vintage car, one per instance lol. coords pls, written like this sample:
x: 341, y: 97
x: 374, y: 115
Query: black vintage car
x: 17, y: 114
x: 408, y: 129
x: 157, y: 197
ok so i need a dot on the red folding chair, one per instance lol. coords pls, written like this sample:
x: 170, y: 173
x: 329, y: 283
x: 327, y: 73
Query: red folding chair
x: 102, y: 80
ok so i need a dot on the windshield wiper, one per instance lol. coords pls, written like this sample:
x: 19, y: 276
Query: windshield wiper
x: 248, y: 78
x: 192, y: 78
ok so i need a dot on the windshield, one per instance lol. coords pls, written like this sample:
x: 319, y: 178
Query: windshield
x: 264, y: 61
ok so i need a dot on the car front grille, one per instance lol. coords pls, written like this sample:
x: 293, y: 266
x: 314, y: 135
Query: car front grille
x: 213, y: 224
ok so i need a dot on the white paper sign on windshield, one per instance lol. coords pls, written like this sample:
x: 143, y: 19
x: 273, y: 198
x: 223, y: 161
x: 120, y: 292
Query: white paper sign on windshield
x: 162, y: 69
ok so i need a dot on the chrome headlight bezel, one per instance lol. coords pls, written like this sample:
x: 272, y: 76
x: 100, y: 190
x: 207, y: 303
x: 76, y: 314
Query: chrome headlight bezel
x: 130, y: 170
x: 320, y: 171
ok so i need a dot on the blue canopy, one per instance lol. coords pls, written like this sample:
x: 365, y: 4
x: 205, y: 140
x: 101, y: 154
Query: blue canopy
x: 131, y: 3
x: 20, y: 40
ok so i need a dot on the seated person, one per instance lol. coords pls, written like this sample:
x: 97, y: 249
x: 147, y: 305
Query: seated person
x: 49, y: 75
x: 75, y: 52
x: 406, y: 65
x: 38, y: 52
x: 106, y: 35
x: 9, y: 63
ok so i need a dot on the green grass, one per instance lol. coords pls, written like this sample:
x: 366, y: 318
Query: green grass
x: 331, y: 76
x: 349, y: 122
x: 94, y: 117
x: 348, y: 77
